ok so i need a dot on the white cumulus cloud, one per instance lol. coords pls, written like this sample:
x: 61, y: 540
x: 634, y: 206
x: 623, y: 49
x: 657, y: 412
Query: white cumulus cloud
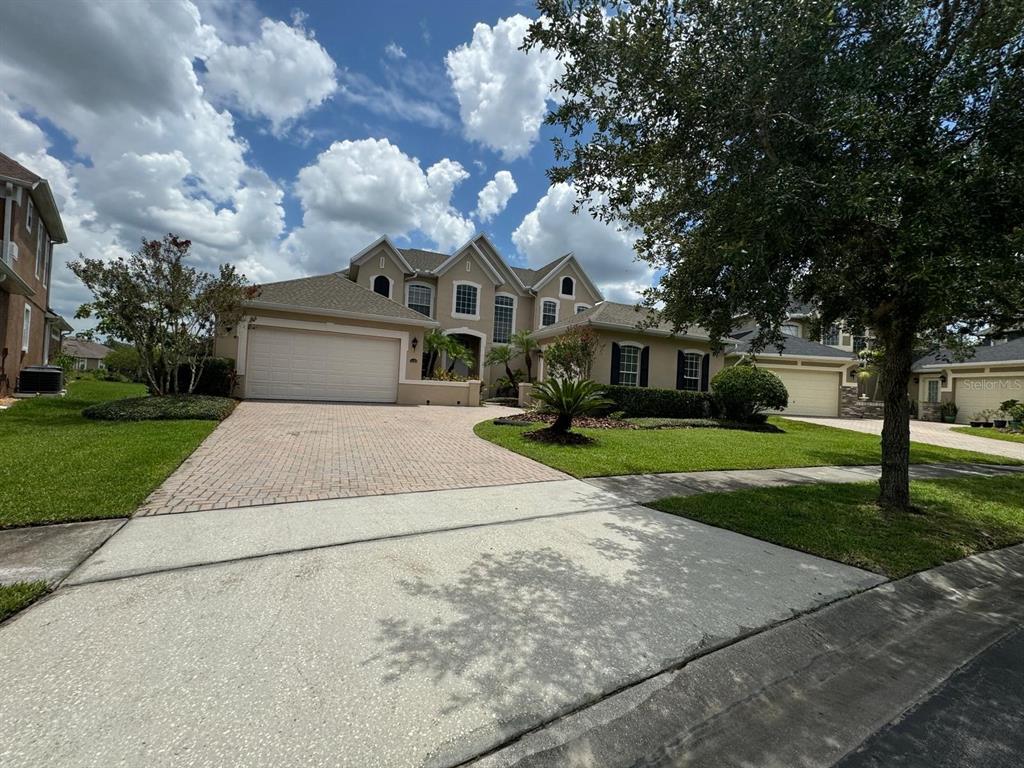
x: 394, y: 51
x: 551, y: 229
x: 281, y: 75
x: 151, y: 153
x: 503, y: 92
x: 356, y: 191
x: 495, y: 195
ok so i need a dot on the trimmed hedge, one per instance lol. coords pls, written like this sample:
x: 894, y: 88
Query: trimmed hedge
x: 662, y: 403
x: 166, y: 407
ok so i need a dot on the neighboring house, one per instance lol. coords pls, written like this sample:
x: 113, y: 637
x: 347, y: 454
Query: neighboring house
x: 800, y: 320
x: 992, y: 375
x: 30, y: 223
x: 357, y: 334
x: 89, y: 355
x: 637, y: 349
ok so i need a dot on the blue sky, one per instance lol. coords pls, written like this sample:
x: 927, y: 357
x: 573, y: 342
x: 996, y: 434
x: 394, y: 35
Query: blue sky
x: 284, y: 137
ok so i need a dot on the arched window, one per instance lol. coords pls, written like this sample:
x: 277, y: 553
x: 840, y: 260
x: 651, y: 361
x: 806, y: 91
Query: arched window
x: 568, y: 286
x: 382, y: 285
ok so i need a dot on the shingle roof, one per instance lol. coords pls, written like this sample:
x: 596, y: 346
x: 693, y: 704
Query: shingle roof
x: 14, y: 170
x: 531, y: 277
x: 76, y: 347
x: 336, y: 293
x: 625, y: 316
x: 997, y: 353
x: 792, y: 345
x: 423, y: 261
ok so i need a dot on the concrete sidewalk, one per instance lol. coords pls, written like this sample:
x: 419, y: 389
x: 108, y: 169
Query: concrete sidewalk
x: 643, y: 488
x: 422, y: 629
x: 50, y: 552
x: 930, y: 432
x: 813, y: 690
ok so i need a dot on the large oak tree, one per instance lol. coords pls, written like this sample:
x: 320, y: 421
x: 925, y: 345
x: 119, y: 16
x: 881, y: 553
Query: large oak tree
x: 866, y: 157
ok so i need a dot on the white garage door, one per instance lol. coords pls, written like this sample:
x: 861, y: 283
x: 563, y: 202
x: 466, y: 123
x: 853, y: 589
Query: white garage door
x: 985, y: 394
x: 286, y: 364
x: 811, y: 393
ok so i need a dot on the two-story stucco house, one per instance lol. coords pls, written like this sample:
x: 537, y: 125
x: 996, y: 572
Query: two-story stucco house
x: 357, y: 334
x: 30, y: 223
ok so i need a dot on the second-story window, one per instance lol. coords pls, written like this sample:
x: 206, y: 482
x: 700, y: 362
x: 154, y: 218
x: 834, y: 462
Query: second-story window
x: 382, y: 285
x: 791, y: 329
x: 504, y: 309
x: 465, y: 299
x: 420, y: 299
x: 549, y: 312
x: 830, y: 336
x: 30, y: 212
x: 568, y: 286
x: 40, y: 252
x: 859, y: 343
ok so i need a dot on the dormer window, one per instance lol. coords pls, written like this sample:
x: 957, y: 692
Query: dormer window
x: 790, y: 329
x: 568, y: 287
x: 382, y: 285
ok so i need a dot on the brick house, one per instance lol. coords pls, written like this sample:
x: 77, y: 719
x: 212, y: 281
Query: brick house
x: 30, y: 332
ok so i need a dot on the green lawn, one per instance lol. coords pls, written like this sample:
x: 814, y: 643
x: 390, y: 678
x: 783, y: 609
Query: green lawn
x: 631, y: 452
x: 994, y: 434
x: 840, y: 522
x: 59, y: 466
x: 14, y: 597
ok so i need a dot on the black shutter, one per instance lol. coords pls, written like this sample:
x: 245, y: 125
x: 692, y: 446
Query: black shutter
x: 705, y: 369
x: 645, y: 359
x: 680, y: 370
x: 615, y: 364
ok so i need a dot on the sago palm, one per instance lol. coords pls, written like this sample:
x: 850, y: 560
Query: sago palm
x: 569, y: 398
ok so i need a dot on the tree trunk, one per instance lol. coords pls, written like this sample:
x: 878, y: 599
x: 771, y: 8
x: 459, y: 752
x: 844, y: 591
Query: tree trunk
x: 562, y: 424
x: 894, y: 371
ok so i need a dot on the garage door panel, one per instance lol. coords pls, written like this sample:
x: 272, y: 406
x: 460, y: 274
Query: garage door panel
x: 811, y: 393
x: 974, y: 395
x: 293, y: 364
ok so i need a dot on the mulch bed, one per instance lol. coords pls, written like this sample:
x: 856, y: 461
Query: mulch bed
x: 583, y: 422
x: 558, y: 438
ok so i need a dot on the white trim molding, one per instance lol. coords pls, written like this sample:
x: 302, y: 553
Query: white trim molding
x: 391, y: 285
x: 429, y: 287
x: 540, y: 311
x: 455, y: 290
x: 396, y: 254
x: 515, y: 309
x: 561, y: 282
x: 582, y: 273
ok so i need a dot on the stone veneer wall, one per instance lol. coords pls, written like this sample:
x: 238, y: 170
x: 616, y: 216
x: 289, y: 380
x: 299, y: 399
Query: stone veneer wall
x: 929, y: 411
x: 852, y: 407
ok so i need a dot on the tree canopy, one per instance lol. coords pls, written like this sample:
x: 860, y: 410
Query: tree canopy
x: 864, y: 157
x: 166, y: 309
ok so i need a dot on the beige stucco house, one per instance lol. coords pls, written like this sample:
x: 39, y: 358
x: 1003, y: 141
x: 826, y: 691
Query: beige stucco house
x: 992, y: 374
x: 637, y: 349
x: 357, y: 334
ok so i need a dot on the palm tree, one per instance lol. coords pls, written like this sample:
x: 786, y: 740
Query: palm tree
x: 569, y: 398
x: 502, y: 354
x: 436, y: 343
x: 524, y: 344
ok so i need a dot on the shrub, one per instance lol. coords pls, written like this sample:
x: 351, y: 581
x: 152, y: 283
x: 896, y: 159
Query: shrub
x: 217, y: 378
x: 567, y: 399
x: 746, y: 426
x: 572, y: 355
x: 665, y: 403
x: 124, y: 359
x: 744, y: 391
x: 163, y: 407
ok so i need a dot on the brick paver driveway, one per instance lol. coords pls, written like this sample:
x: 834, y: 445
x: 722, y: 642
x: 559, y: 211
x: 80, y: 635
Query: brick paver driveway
x: 267, y: 453
x: 930, y: 432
